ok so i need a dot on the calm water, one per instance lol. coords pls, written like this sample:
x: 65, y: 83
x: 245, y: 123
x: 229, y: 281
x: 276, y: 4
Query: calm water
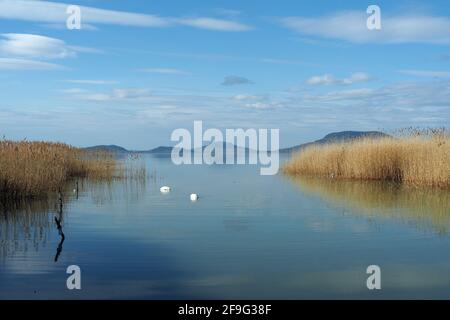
x: 249, y: 236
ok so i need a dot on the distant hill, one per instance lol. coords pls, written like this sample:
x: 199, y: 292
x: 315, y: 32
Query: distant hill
x: 167, y: 151
x: 329, y: 138
x: 338, y: 137
x: 161, y: 149
x: 108, y: 148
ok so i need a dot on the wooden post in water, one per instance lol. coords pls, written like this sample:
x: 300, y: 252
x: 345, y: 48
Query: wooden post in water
x: 60, y: 196
x: 58, y: 221
x: 63, y: 237
x: 77, y: 189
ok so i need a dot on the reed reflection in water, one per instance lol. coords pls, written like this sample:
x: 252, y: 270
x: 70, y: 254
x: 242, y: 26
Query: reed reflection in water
x: 27, y: 224
x: 423, y: 207
x: 24, y: 225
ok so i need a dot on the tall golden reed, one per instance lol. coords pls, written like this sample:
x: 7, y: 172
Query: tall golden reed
x: 30, y: 169
x: 421, y: 158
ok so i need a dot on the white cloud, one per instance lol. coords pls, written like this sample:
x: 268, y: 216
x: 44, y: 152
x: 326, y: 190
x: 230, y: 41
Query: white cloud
x: 54, y: 12
x: 26, y: 51
x: 329, y: 79
x: 25, y: 64
x: 427, y: 73
x: 324, y: 79
x: 22, y: 51
x: 351, y: 26
x: 34, y: 46
x: 164, y: 71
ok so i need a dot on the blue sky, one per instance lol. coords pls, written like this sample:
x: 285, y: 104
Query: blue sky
x: 141, y: 69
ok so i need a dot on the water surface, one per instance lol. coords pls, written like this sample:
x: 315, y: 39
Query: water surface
x: 249, y: 236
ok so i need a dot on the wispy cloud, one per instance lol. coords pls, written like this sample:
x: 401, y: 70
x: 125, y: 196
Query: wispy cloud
x: 427, y: 73
x: 54, y: 12
x: 230, y: 13
x: 329, y: 79
x: 351, y: 26
x: 93, y: 82
x: 363, y: 94
x: 117, y: 94
x: 34, y: 46
x: 62, y: 26
x: 397, y: 105
x: 26, y: 64
x: 280, y: 61
x: 164, y: 71
x: 235, y: 80
x: 21, y: 51
x: 213, y: 24
x: 73, y: 91
x: 257, y: 102
x: 411, y: 95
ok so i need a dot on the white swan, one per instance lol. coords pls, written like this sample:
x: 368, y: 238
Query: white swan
x: 164, y: 189
x: 194, y: 197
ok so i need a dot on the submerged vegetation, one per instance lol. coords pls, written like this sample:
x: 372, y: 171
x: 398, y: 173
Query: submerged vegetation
x: 33, y: 169
x: 414, y: 157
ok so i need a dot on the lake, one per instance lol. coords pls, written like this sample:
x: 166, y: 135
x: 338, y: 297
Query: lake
x: 248, y: 237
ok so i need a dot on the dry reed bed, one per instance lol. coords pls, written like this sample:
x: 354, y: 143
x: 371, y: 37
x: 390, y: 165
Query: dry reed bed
x: 419, y: 159
x: 30, y: 169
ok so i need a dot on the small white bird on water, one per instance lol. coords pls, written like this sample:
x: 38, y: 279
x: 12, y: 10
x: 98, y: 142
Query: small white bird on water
x: 194, y: 197
x: 164, y: 189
